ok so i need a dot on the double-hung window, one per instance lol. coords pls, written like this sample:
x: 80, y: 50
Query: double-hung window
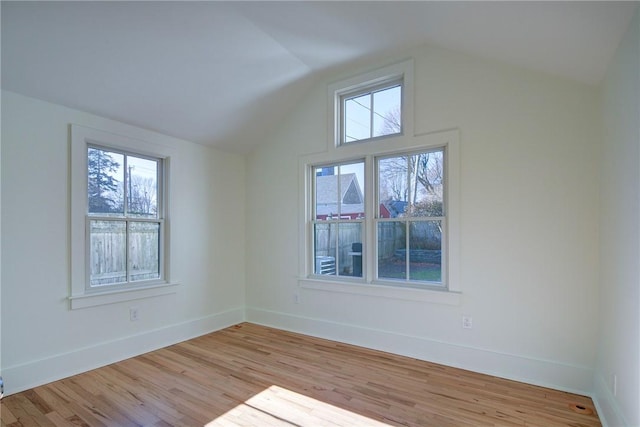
x: 411, y: 217
x: 119, y: 230
x: 338, y: 219
x: 125, y: 225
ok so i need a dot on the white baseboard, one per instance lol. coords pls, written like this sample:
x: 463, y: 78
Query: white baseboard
x: 545, y: 373
x: 606, y: 405
x: 32, y: 374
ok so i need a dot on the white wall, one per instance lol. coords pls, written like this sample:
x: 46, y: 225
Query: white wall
x: 530, y: 146
x: 42, y: 339
x: 619, y: 343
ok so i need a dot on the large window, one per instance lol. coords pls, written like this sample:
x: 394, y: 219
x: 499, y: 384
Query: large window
x: 381, y: 204
x: 409, y: 220
x: 119, y: 229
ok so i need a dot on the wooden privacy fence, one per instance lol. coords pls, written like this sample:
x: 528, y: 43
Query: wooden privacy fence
x: 108, y: 251
x: 424, y: 235
x: 391, y: 236
x: 348, y: 233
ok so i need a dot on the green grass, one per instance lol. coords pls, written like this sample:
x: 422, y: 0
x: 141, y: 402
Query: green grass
x: 417, y: 271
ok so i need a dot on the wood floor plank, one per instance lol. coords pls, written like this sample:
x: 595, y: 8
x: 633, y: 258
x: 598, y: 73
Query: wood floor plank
x: 250, y: 375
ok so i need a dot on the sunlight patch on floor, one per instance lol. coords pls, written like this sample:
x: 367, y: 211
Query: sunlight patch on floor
x: 277, y: 406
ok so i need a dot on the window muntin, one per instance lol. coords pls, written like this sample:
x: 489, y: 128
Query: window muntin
x: 411, y: 217
x: 124, y: 219
x: 338, y: 219
x: 371, y: 112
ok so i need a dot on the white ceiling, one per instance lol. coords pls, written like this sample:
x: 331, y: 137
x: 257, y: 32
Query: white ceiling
x: 223, y: 73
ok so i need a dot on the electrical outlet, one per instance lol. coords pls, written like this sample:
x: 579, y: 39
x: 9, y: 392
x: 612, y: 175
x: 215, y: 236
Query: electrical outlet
x: 296, y: 298
x: 467, y: 322
x: 134, y: 314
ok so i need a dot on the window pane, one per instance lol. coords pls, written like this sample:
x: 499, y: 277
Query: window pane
x: 341, y: 241
x: 425, y: 244
x: 426, y: 184
x: 350, y: 249
x: 105, y: 180
x: 107, y: 252
x: 411, y: 185
x: 339, y: 193
x: 144, y: 250
x: 392, y: 250
x: 387, y: 118
x: 326, y: 192
x: 325, y: 248
x: 142, y: 187
x: 357, y: 118
x: 393, y: 189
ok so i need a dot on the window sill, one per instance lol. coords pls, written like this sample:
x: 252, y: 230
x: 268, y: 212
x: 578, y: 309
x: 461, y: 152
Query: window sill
x: 120, y: 295
x: 383, y: 291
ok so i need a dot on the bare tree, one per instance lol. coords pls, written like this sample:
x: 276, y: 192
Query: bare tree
x: 393, y: 172
x: 143, y: 197
x: 392, y: 121
x: 428, y: 169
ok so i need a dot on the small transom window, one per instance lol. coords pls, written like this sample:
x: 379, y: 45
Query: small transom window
x: 371, y: 112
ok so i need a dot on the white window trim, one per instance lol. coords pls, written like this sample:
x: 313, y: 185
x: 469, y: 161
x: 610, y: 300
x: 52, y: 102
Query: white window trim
x: 401, y: 70
x: 81, y: 296
x: 367, y: 286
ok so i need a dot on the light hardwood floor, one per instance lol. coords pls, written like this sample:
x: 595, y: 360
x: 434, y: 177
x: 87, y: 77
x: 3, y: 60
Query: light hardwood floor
x: 250, y: 375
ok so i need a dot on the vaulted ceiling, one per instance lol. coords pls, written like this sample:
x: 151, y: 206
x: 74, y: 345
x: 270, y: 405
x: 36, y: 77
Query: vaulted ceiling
x: 221, y: 73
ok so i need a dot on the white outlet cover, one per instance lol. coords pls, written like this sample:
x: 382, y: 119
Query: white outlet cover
x: 467, y: 322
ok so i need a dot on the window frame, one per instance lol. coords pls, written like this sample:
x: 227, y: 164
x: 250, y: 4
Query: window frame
x: 369, y: 284
x: 127, y: 218
x: 407, y: 220
x: 369, y: 89
x: 363, y: 83
x: 338, y: 221
x: 82, y: 294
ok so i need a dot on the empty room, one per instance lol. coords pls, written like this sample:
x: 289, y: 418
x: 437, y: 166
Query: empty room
x: 320, y: 213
